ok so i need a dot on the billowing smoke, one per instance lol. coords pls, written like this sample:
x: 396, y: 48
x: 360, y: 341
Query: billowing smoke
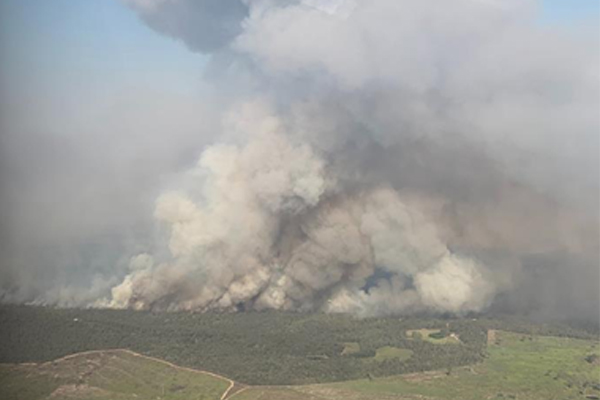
x: 381, y: 156
x: 272, y: 227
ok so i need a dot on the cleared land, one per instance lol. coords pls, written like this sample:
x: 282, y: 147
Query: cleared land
x: 350, y: 348
x: 108, y: 375
x: 392, y: 353
x: 426, y: 334
x: 519, y: 367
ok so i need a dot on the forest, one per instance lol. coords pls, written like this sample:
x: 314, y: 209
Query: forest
x: 265, y: 348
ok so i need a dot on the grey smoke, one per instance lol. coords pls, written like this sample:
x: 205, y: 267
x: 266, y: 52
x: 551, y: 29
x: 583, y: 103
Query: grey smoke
x: 205, y: 25
x: 443, y: 154
x: 77, y: 189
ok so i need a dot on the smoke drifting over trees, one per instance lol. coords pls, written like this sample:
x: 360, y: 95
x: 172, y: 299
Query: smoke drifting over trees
x: 379, y: 157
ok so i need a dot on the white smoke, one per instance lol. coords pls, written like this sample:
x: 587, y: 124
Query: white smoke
x: 343, y: 188
x: 377, y: 157
x: 270, y: 229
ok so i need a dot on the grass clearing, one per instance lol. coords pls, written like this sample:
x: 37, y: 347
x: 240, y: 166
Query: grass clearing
x: 390, y: 353
x: 425, y: 334
x: 540, y: 368
x: 350, y: 348
x: 521, y: 367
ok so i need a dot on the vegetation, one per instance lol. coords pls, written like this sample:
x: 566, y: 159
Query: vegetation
x: 435, y: 336
x: 544, y: 368
x: 350, y: 348
x: 109, y: 375
x: 541, y: 368
x: 268, y: 348
x: 392, y: 353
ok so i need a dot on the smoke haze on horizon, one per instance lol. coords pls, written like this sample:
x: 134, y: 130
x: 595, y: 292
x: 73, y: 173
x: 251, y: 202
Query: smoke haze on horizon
x: 373, y: 157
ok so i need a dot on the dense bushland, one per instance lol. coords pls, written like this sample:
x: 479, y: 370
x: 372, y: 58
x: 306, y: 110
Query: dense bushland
x: 254, y: 347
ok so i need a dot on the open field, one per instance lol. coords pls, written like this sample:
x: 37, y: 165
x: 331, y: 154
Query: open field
x: 392, y: 353
x: 108, y: 375
x: 350, y: 348
x: 426, y: 334
x: 521, y: 367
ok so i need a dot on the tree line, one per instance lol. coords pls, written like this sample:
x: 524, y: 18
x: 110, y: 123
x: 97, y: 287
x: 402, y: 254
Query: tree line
x: 268, y: 347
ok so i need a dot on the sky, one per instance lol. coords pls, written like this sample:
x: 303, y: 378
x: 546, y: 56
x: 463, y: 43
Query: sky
x: 68, y: 44
x: 102, y: 46
x: 88, y: 94
x: 570, y: 12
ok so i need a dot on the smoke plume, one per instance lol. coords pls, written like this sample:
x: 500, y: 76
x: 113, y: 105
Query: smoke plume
x: 380, y: 157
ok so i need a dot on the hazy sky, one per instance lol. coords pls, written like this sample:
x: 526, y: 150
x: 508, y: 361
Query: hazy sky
x: 99, y: 45
x: 95, y: 108
x: 60, y: 51
x: 62, y: 47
